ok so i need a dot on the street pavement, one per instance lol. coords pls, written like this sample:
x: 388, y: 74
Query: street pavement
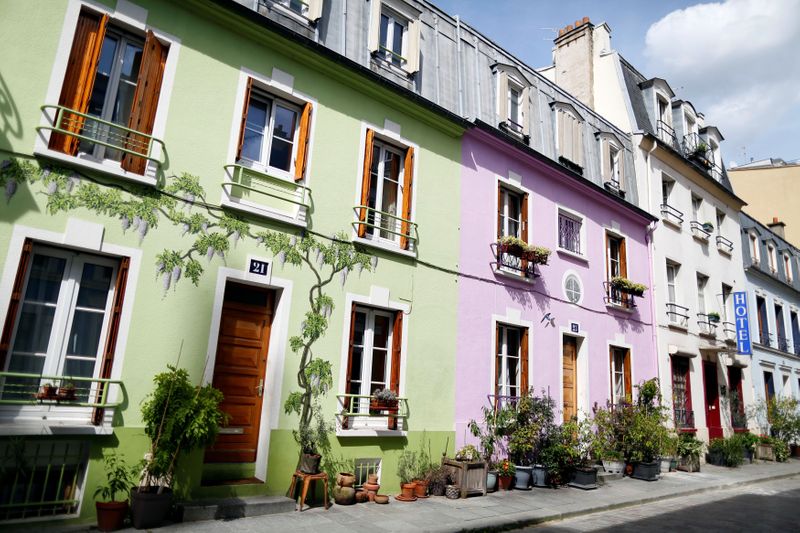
x: 771, y: 506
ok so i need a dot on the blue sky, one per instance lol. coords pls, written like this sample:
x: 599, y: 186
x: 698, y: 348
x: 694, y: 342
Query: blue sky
x: 737, y: 61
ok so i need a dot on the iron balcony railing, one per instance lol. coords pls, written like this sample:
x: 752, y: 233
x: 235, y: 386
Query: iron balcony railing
x: 569, y: 234
x: 297, y: 6
x: 764, y: 338
x: 707, y: 324
x: 363, y: 406
x: 699, y: 231
x: 782, y: 343
x: 391, y: 56
x: 507, y: 261
x: 724, y: 245
x: 729, y: 329
x: 499, y: 401
x: 383, y: 222
x: 18, y: 388
x: 614, y: 296
x: 667, y: 134
x: 678, y: 314
x: 103, y: 132
x: 517, y: 130
x: 697, y: 150
x: 671, y: 214
x: 571, y: 165
x: 796, y: 349
x: 684, y: 418
x: 41, y: 478
x: 245, y: 181
x: 614, y: 186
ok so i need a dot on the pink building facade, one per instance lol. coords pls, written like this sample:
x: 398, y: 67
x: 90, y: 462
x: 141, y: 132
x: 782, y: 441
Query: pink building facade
x: 557, y: 328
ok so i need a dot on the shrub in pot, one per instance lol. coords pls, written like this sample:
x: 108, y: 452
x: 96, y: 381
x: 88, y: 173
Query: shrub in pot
x: 646, y: 432
x: 406, y: 471
x: 608, y: 443
x: 111, y: 513
x: 493, y: 428
x: 179, y: 417
x: 505, y: 474
x: 689, y: 450
x: 579, y: 440
x: 438, y: 479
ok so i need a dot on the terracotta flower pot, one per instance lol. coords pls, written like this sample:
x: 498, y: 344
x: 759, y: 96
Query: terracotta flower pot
x: 421, y: 490
x: 345, y: 479
x: 111, y: 515
x: 407, y: 490
x: 372, y: 478
x: 504, y: 482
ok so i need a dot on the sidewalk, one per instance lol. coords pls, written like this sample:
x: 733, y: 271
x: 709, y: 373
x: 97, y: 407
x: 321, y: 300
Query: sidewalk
x: 500, y: 509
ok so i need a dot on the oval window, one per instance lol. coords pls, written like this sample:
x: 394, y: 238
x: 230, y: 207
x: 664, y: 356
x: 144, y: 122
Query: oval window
x: 572, y: 288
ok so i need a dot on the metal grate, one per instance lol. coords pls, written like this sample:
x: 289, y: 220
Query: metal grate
x: 569, y: 233
x: 40, y: 478
x: 365, y: 467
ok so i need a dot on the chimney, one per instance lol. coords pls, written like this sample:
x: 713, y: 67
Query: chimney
x: 573, y: 57
x: 777, y: 227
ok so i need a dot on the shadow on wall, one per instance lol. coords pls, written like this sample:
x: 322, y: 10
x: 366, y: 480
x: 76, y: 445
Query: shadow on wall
x: 10, y: 122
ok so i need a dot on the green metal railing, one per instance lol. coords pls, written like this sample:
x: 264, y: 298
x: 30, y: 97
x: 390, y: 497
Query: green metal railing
x: 40, y: 478
x: 368, y: 216
x: 300, y: 196
x: 17, y: 388
x: 103, y: 132
x: 393, y: 54
x: 361, y: 406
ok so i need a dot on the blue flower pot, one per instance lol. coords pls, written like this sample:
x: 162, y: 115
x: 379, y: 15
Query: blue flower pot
x: 523, y: 478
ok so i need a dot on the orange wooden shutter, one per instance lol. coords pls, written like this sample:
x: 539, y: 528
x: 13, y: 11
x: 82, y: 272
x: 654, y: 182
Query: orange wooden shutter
x: 524, y: 225
x: 145, y: 102
x: 16, y: 299
x: 365, y: 179
x: 627, y: 369
x: 348, y: 377
x: 79, y: 78
x: 302, y: 143
x: 524, y: 359
x: 246, y: 106
x: 113, y: 330
x: 623, y: 259
x: 408, y: 184
x: 397, y: 344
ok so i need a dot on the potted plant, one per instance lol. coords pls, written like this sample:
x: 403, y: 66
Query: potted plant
x: 708, y: 227
x: 764, y: 449
x: 716, y: 452
x: 713, y: 317
x: 383, y: 400
x: 48, y: 391
x: 689, y: 450
x: 646, y: 432
x: 627, y: 286
x: 493, y: 428
x: 609, y: 427
x: 67, y: 393
x: 515, y: 246
x: 119, y: 478
x: 579, y: 439
x: 179, y: 417
x: 523, y: 433
x: 669, y: 452
x: 437, y: 479
x: 406, y: 471
x: 505, y: 474
x: 749, y: 443
x: 537, y: 254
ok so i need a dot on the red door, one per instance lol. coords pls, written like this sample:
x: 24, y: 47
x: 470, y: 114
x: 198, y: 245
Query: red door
x: 712, y: 400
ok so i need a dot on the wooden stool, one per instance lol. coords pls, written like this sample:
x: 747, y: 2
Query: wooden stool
x: 307, y: 479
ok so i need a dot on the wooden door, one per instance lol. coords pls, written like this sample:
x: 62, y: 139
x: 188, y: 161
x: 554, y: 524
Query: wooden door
x: 239, y: 370
x: 712, y: 400
x: 570, y: 380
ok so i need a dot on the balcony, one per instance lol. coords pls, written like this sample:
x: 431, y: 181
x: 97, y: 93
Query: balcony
x: 707, y: 324
x: 684, y: 419
x: 700, y: 231
x: 613, y: 186
x: 617, y: 298
x: 522, y: 267
x: 256, y: 192
x: 729, y: 331
x: 724, y: 245
x: 359, y: 411
x: 678, y: 315
x: 667, y: 135
x: 697, y: 151
x: 782, y: 343
x: 571, y: 165
x: 499, y: 401
x: 386, y: 229
x: 98, y: 132
x: 516, y: 130
x: 671, y: 215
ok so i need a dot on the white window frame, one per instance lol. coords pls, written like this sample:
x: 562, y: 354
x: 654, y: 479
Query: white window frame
x: 787, y: 266
x: 402, y: 12
x: 615, y: 372
x: 572, y: 275
x: 374, y: 234
x: 755, y: 248
x: 672, y: 284
x: 508, y: 194
x: 577, y: 217
x: 502, y: 386
x: 262, y: 164
x: 772, y: 258
x: 697, y: 208
x: 702, y: 285
x: 666, y: 115
x: 368, y: 348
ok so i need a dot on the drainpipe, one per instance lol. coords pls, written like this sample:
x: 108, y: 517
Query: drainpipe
x: 458, y: 66
x: 344, y: 28
x: 477, y: 76
x: 436, y: 47
x: 650, y: 253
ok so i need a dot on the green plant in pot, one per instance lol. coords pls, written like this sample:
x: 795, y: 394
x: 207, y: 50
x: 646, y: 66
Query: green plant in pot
x: 407, y: 470
x: 713, y: 317
x: 493, y: 428
x: 179, y: 417
x: 646, y: 431
x: 580, y: 440
x: 610, y: 429
x: 111, y: 513
x: 689, y: 450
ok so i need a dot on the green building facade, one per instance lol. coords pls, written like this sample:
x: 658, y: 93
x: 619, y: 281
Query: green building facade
x: 153, y: 153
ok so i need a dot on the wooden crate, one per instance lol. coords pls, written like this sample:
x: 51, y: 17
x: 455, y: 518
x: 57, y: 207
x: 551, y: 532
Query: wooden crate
x: 469, y: 476
x: 765, y: 452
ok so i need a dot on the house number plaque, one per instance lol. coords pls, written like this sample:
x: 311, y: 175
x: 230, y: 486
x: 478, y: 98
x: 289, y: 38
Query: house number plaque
x: 259, y: 267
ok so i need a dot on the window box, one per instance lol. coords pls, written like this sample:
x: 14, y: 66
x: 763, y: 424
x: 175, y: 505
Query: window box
x: 678, y: 315
x: 570, y: 165
x: 724, y: 245
x: 707, y: 325
x: 699, y: 231
x: 627, y: 286
x: 671, y: 215
x: 616, y: 298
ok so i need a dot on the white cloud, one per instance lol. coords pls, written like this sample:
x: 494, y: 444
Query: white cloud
x: 738, y: 61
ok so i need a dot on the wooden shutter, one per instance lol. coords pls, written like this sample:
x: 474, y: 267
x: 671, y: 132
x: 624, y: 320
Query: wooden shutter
x: 16, y: 300
x: 397, y: 345
x: 499, y: 212
x: 621, y: 168
x: 365, y: 179
x: 577, y: 143
x: 496, y: 364
x: 502, y: 96
x: 623, y: 258
x: 523, y: 232
x: 606, y: 155
x: 408, y: 189
x: 113, y: 331
x: 524, y: 362
x: 302, y: 143
x: 374, y: 25
x: 79, y: 78
x: 627, y: 373
x: 348, y: 377
x: 412, y: 38
x: 145, y: 102
x: 248, y: 90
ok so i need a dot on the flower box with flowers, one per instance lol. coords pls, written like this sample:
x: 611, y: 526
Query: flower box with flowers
x: 519, y: 248
x: 383, y: 400
x: 627, y: 286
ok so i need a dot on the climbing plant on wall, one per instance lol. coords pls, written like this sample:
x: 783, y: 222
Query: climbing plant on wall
x: 181, y: 202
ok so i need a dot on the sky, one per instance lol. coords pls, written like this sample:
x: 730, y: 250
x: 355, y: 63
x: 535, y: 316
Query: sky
x: 737, y: 61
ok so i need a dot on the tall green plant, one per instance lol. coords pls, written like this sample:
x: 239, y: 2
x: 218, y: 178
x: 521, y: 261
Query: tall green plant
x: 119, y: 478
x: 178, y: 417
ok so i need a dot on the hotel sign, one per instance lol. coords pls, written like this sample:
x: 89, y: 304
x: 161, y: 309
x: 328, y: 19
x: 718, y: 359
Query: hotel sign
x: 742, y: 323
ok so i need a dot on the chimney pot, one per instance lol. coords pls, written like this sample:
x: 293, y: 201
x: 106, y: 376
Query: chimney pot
x: 585, y: 20
x: 561, y: 32
x: 568, y: 28
x: 577, y: 23
x: 774, y: 220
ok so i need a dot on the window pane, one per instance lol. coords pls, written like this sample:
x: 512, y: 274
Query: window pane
x: 281, y: 155
x: 102, y: 76
x: 22, y: 388
x: 79, y: 368
x: 397, y: 45
x: 84, y: 339
x: 378, y: 370
x: 355, y: 371
x: 131, y: 60
x: 358, y: 329
x: 257, y: 113
x: 284, y: 123
x: 34, y: 329
x: 95, y: 284
x: 513, y: 373
x: 381, y: 333
x: 44, y: 281
x: 384, y: 31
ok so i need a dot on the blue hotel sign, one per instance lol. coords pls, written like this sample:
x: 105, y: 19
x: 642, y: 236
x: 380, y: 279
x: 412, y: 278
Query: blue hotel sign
x: 742, y: 323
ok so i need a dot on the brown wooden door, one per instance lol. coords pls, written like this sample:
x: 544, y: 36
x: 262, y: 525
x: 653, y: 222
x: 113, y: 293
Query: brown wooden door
x: 239, y: 370
x: 712, y: 400
x: 570, y: 383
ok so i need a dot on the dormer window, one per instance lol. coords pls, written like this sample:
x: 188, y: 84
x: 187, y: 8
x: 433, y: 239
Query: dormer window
x: 309, y: 9
x: 787, y: 267
x: 512, y: 95
x: 569, y: 134
x: 691, y: 125
x: 394, y: 34
x: 754, y: 249
x: 772, y: 258
x: 613, y: 162
x: 515, y: 106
